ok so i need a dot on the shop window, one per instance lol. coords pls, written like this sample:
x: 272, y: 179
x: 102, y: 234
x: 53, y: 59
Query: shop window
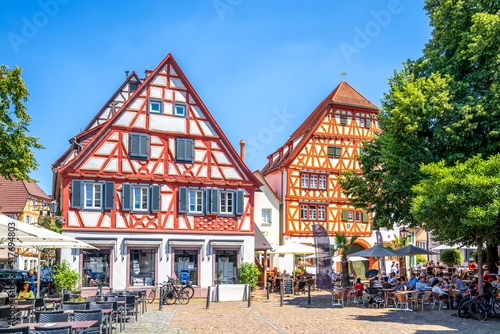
x: 142, y: 267
x: 226, y: 266
x: 186, y: 265
x: 96, y: 268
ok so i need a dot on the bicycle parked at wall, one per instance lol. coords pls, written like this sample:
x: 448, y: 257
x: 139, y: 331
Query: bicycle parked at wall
x: 154, y: 290
x: 172, y: 294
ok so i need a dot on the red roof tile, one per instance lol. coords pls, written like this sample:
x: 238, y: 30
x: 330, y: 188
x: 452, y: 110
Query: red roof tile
x: 14, y: 194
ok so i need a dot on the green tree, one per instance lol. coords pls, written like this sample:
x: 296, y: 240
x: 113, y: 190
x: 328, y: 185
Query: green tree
x: 451, y: 257
x: 343, y: 246
x: 65, y: 277
x: 461, y: 204
x: 16, y: 147
x: 249, y: 274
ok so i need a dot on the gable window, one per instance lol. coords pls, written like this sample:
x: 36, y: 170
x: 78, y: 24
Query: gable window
x: 305, y: 181
x: 93, y: 195
x: 314, y: 181
x: 304, y: 212
x: 362, y: 122
x: 180, y: 110
x: 139, y: 146
x: 226, y: 202
x: 312, y: 212
x: 266, y: 216
x: 358, y: 216
x: 184, y: 150
x: 351, y: 216
x: 334, y: 151
x: 141, y: 198
x: 322, y: 182
x: 133, y: 87
x: 155, y: 106
x: 343, y: 120
x: 196, y: 201
x: 321, y: 212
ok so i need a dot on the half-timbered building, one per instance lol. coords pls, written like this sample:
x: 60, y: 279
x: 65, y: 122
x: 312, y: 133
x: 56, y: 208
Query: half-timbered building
x: 304, y: 172
x: 154, y: 183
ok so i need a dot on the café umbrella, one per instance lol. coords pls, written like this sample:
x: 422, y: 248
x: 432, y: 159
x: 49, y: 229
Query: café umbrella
x: 376, y: 251
x: 413, y: 250
x: 293, y: 248
x: 28, y: 236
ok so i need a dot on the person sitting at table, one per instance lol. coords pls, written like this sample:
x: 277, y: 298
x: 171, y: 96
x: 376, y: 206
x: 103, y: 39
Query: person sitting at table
x: 436, y: 288
x: 421, y: 285
x: 358, y: 285
x: 394, y: 269
x: 284, y: 274
x: 26, y: 293
x: 419, y: 265
x: 431, y: 278
x: 472, y: 266
x: 429, y: 264
x: 386, y: 284
x: 458, y: 283
x: 399, y: 285
x: 375, y: 283
x: 412, y: 282
x: 496, y: 283
x: 392, y: 278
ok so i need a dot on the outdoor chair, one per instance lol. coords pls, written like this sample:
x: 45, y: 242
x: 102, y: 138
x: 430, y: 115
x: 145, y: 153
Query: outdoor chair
x: 441, y: 299
x: 92, y: 299
x: 301, y: 286
x: 39, y: 304
x: 52, y: 330
x: 338, y: 298
x: 4, y: 317
x: 390, y: 299
x: 27, y: 313
x: 19, y: 330
x: 425, y: 299
x: 118, y: 309
x: 54, y: 317
x: 131, y: 306
x: 413, y: 298
x: 402, y: 299
x: 38, y: 313
x: 142, y: 298
x: 89, y: 316
x: 74, y: 306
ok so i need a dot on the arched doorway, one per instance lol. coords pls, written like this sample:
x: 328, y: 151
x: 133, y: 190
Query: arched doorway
x: 361, y: 267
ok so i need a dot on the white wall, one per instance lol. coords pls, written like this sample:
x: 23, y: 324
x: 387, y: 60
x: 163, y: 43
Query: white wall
x: 265, y: 199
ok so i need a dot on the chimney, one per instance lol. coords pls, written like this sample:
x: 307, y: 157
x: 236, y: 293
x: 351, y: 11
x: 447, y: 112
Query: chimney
x: 126, y: 74
x: 242, y: 149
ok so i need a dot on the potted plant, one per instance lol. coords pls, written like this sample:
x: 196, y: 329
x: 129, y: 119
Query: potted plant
x: 249, y: 274
x: 65, y: 277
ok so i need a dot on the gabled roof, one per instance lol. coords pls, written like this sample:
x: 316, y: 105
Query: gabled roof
x: 260, y: 241
x: 265, y: 184
x: 169, y: 58
x: 14, y: 194
x: 343, y: 95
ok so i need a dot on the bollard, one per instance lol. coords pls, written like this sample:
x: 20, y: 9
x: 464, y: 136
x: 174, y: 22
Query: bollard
x: 245, y: 294
x: 281, y: 295
x: 308, y: 294
x: 217, y: 293
x: 249, y: 296
x: 268, y: 287
x: 208, y: 298
x: 160, y: 306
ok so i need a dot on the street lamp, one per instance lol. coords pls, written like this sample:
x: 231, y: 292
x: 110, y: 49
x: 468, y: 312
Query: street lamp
x: 53, y: 208
x: 404, y: 233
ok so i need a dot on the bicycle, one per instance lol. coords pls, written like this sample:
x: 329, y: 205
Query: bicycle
x: 188, y: 288
x: 172, y: 294
x: 485, y: 305
x: 152, y: 293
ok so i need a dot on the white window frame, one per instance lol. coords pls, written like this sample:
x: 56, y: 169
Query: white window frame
x: 304, y: 180
x: 198, y: 198
x: 313, y: 181
x: 144, y: 194
x: 266, y: 215
x: 351, y: 215
x: 304, y: 214
x: 184, y: 108
x: 94, y: 206
x: 313, y: 212
x: 321, y: 212
x: 359, y: 216
x: 323, y: 180
x: 226, y: 205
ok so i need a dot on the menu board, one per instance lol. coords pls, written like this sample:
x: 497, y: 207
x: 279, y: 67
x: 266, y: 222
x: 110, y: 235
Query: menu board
x: 288, y: 286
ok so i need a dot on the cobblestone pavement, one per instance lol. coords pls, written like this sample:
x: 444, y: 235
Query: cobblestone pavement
x: 297, y: 317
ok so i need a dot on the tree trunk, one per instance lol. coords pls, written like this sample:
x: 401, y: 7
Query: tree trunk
x: 345, y: 273
x: 492, y: 257
x: 480, y: 265
x: 402, y: 265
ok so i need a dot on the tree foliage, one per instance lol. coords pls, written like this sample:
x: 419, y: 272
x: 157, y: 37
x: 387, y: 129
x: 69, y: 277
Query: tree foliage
x: 249, y: 274
x: 451, y: 257
x: 343, y: 246
x: 460, y: 204
x: 16, y: 146
x: 65, y: 277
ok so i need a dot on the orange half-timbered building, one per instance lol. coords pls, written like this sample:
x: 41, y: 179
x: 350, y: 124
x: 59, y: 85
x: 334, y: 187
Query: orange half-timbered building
x: 304, y: 171
x: 154, y: 183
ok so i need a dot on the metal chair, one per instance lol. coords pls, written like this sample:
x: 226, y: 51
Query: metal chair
x: 29, y: 311
x: 74, y: 306
x: 39, y: 304
x: 118, y: 309
x: 440, y: 298
x: 131, y: 306
x: 38, y: 313
x: 402, y: 299
x: 53, y: 330
x: 89, y: 316
x: 92, y: 299
x: 104, y: 306
x: 18, y: 330
x: 54, y: 317
x: 338, y: 298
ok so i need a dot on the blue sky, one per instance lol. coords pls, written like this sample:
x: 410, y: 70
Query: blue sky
x: 251, y: 62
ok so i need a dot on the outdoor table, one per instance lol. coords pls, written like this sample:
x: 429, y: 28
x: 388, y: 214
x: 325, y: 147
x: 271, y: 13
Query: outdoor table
x: 106, y: 311
x: 73, y: 324
x: 53, y: 301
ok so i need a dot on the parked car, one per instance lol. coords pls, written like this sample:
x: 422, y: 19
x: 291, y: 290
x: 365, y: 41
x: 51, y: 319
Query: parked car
x: 9, y: 276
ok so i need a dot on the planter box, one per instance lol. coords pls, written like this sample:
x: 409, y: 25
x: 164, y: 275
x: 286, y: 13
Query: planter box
x: 229, y: 292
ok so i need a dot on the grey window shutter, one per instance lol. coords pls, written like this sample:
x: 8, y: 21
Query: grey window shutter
x: 214, y: 203
x: 367, y: 123
x: 134, y: 145
x: 155, y: 198
x: 343, y: 120
x: 189, y: 156
x: 338, y: 151
x: 109, y: 199
x: 361, y: 151
x: 126, y: 197
x: 76, y: 194
x: 345, y: 215
x: 144, y: 146
x: 183, y: 197
x: 180, y: 149
x: 240, y: 202
x: 366, y: 217
x: 331, y: 151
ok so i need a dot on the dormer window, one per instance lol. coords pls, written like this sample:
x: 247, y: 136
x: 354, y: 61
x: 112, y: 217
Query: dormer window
x: 133, y: 87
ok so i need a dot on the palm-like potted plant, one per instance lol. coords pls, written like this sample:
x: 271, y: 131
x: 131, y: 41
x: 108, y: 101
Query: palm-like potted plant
x: 343, y: 245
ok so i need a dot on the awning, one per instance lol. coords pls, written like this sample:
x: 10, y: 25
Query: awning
x: 261, y: 243
x: 98, y: 243
x: 226, y: 243
x: 186, y: 242
x: 129, y: 242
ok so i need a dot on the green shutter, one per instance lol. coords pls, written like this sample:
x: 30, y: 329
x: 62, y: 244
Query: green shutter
x: 155, y: 198
x: 343, y: 120
x: 126, y: 197
x: 338, y: 151
x: 76, y: 194
x: 240, y: 202
x: 366, y: 217
x: 367, y: 123
x: 345, y: 215
x: 109, y: 197
x: 183, y: 198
